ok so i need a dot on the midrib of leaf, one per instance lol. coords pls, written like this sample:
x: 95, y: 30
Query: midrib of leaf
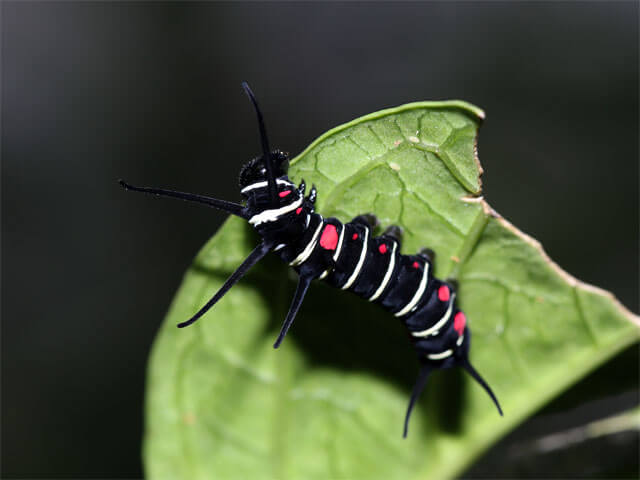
x: 449, y: 163
x: 440, y: 153
x: 471, y: 240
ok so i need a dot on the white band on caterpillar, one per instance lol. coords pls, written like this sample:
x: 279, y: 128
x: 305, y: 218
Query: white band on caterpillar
x: 440, y: 356
x: 418, y: 295
x: 274, y: 214
x: 309, y: 248
x: 253, y: 186
x: 339, y: 247
x: 363, y: 254
x: 436, y: 328
x: 387, y: 275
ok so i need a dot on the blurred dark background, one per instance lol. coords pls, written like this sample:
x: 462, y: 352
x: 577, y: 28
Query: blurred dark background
x: 151, y: 92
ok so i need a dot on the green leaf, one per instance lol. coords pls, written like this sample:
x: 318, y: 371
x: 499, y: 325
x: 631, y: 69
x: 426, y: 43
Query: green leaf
x: 330, y: 402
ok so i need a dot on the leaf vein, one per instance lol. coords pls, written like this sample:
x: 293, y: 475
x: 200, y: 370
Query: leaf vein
x: 583, y: 318
x: 377, y: 137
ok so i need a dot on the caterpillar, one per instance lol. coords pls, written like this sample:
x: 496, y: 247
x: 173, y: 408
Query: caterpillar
x: 346, y: 256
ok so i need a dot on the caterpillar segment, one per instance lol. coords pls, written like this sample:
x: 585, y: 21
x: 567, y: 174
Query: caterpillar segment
x: 347, y: 256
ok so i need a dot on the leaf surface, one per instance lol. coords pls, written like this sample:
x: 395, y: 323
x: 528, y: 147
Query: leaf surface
x: 221, y: 402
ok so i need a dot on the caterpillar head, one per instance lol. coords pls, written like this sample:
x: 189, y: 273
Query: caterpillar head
x: 254, y: 183
x: 255, y: 170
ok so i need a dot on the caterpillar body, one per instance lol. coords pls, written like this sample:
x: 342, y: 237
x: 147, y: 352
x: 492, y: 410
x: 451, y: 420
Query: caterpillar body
x: 346, y: 256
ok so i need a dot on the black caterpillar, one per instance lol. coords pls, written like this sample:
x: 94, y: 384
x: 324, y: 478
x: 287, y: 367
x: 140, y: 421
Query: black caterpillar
x: 346, y: 256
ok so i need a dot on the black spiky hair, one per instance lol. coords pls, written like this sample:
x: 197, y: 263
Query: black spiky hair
x: 255, y: 171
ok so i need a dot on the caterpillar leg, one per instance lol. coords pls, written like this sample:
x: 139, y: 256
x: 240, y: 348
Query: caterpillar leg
x: 313, y: 194
x: 428, y: 254
x: 454, y: 283
x: 367, y: 219
x: 301, y: 291
x: 395, y: 232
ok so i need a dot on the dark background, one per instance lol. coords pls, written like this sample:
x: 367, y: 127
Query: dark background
x: 151, y: 92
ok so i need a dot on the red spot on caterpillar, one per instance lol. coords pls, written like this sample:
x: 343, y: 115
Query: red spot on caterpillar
x: 284, y: 194
x: 329, y: 237
x: 443, y: 293
x: 355, y: 236
x: 382, y: 248
x: 298, y: 210
x: 415, y: 265
x: 459, y: 321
